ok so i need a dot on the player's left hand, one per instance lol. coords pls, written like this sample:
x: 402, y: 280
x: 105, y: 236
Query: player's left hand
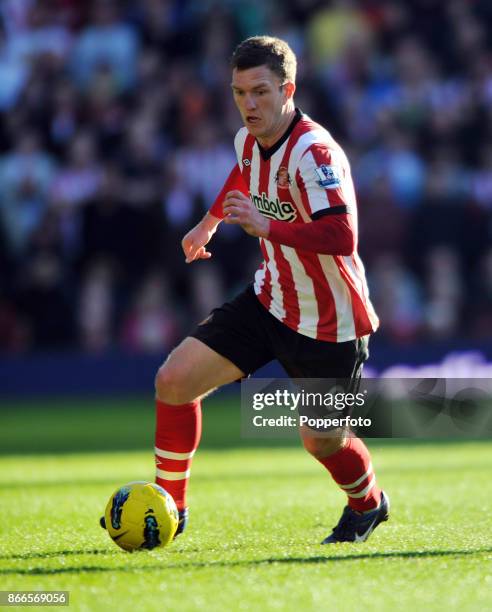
x: 239, y: 210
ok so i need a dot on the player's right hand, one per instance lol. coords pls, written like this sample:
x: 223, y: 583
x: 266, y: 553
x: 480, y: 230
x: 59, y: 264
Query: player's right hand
x: 194, y: 242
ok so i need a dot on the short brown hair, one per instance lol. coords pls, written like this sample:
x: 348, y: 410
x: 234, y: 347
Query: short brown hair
x: 266, y: 51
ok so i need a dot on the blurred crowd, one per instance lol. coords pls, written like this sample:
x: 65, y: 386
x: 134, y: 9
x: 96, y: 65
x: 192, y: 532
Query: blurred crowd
x: 116, y: 128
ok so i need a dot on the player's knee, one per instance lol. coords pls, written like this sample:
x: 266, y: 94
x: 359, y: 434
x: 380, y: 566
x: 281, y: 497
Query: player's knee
x: 323, y: 447
x: 170, y: 385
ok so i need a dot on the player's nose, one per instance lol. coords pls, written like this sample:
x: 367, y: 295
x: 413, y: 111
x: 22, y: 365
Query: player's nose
x: 249, y: 102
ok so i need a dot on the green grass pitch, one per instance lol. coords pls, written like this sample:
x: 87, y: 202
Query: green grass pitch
x: 258, y: 514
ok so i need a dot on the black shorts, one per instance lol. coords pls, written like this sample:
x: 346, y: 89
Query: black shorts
x: 244, y: 332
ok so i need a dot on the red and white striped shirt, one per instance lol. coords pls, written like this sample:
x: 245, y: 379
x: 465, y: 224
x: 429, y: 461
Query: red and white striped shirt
x: 302, y: 179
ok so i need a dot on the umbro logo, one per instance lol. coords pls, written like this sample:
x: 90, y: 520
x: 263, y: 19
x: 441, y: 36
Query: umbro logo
x: 246, y: 162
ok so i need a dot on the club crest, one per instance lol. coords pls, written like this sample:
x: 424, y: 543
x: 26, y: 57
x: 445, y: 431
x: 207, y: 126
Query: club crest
x: 282, y: 178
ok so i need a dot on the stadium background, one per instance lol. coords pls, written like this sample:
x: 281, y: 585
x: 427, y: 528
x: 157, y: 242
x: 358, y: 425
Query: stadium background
x: 116, y: 127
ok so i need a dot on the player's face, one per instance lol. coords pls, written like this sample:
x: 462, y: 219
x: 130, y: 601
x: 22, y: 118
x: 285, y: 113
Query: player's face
x: 263, y: 101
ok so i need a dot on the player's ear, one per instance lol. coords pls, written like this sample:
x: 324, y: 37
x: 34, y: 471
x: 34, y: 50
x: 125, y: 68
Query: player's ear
x: 289, y: 89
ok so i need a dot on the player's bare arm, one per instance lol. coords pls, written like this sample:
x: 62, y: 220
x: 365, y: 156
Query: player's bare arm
x: 196, y: 239
x: 239, y: 210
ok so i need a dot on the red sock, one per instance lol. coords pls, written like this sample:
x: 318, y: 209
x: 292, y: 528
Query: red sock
x: 351, y: 469
x: 178, y: 431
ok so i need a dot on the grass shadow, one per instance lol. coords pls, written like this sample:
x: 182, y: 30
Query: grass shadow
x: 230, y: 564
x: 56, y: 553
x: 216, y: 476
x: 230, y: 442
x: 114, y: 481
